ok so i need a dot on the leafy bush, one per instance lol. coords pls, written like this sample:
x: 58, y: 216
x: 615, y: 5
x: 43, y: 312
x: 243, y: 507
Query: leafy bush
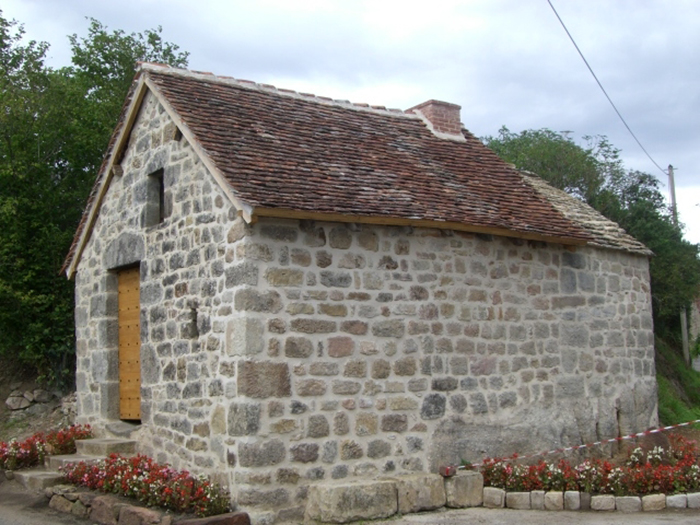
x: 652, y: 471
x: 63, y: 441
x: 155, y: 485
x: 32, y: 451
x: 22, y: 454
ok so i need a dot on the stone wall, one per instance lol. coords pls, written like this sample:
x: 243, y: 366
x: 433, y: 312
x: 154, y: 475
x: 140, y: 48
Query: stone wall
x: 395, y: 350
x: 282, y: 353
x: 181, y: 263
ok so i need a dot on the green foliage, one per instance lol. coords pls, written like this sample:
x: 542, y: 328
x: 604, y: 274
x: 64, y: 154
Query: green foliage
x: 104, y: 64
x: 596, y: 174
x: 54, y: 130
x: 679, y: 386
x: 558, y: 159
x: 635, y: 202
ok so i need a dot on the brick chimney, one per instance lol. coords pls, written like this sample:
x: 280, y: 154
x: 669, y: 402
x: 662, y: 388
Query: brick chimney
x: 442, y: 116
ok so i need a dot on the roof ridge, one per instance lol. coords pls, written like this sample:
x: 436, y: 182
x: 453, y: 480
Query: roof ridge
x: 269, y: 88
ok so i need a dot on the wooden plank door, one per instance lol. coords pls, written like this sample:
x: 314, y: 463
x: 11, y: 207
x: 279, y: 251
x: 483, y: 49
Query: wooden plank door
x: 129, y: 345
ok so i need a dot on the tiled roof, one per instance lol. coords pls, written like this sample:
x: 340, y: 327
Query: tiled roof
x: 281, y: 151
x: 605, y: 233
x: 302, y: 153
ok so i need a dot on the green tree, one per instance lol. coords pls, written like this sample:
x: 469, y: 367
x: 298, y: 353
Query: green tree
x: 639, y: 207
x: 54, y: 130
x: 596, y: 174
x: 558, y: 159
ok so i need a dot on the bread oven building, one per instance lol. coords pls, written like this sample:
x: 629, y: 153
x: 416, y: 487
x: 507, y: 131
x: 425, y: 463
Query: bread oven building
x: 283, y: 289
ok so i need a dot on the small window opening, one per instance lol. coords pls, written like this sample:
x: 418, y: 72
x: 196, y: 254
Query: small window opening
x: 156, y: 210
x: 161, y: 195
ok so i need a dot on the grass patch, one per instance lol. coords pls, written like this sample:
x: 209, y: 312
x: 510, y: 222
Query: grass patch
x: 679, y: 386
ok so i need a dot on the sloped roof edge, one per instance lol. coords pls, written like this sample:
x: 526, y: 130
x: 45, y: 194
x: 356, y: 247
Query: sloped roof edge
x: 118, y: 144
x: 605, y: 233
x: 104, y: 177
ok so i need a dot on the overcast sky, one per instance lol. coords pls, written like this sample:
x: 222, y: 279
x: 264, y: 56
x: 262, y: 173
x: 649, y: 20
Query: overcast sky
x: 506, y: 62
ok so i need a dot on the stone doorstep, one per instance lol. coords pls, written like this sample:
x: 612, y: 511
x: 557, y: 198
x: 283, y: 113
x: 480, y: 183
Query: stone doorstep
x: 38, y: 479
x: 122, y: 429
x: 105, y: 446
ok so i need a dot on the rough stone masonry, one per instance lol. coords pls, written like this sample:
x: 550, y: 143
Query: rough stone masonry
x: 283, y: 353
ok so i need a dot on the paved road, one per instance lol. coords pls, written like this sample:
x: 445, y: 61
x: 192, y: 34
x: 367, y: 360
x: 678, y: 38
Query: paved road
x: 21, y: 507
x: 482, y: 516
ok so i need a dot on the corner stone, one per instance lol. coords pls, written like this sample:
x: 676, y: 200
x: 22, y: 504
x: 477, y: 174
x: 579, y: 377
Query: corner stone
x: 343, y: 503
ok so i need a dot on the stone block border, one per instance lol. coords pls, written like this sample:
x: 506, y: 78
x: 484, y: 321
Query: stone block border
x: 111, y: 510
x: 575, y: 500
x: 344, y: 502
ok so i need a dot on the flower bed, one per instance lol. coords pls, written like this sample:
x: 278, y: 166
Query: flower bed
x: 670, y: 471
x: 155, y: 485
x: 32, y: 451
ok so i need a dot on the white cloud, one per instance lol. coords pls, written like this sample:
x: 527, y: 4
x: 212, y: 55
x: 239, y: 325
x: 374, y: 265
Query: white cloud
x: 506, y: 62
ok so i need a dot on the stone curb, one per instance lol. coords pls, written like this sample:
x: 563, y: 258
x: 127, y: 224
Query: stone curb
x: 574, y: 500
x: 110, y: 510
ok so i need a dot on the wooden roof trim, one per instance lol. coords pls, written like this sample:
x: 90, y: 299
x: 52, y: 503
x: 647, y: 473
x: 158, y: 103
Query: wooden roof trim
x: 281, y: 213
x: 244, y: 210
x: 114, y: 159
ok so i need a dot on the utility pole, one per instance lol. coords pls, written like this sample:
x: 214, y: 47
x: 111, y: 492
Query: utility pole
x: 684, y: 316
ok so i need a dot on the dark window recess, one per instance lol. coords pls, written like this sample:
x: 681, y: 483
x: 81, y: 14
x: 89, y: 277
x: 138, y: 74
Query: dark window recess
x: 157, y: 209
x: 161, y: 196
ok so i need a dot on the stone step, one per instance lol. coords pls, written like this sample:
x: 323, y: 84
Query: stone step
x: 56, y: 462
x: 38, y: 479
x: 105, y: 446
x: 123, y: 429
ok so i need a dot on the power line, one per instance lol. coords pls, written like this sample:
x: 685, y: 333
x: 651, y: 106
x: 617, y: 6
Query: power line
x: 603, y: 89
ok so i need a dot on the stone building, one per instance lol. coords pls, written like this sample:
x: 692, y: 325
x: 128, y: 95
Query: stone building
x: 291, y: 288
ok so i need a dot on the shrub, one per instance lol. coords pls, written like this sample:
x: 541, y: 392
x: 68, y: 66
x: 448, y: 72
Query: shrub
x: 63, y: 441
x: 155, y: 485
x: 651, y: 471
x: 32, y: 451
